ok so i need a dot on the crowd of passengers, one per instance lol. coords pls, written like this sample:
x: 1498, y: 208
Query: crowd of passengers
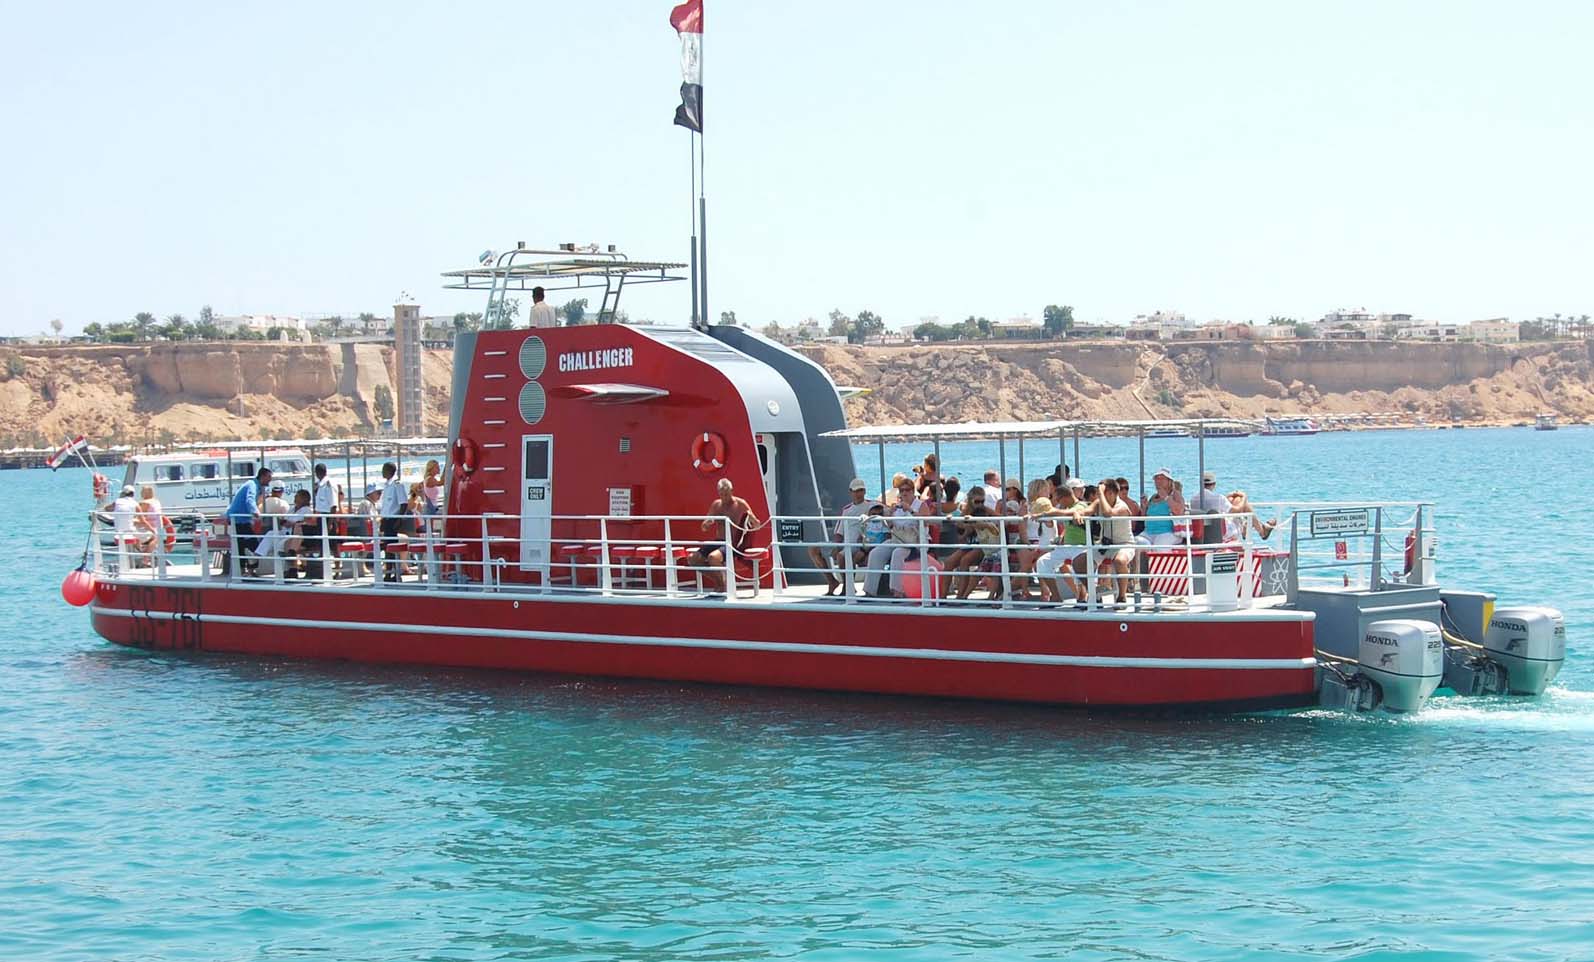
x: 273, y: 529
x: 1056, y: 529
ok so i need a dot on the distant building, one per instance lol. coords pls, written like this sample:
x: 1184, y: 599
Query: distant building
x: 1495, y: 330
x: 1023, y: 328
x: 1084, y: 332
x: 291, y: 328
x: 1430, y: 331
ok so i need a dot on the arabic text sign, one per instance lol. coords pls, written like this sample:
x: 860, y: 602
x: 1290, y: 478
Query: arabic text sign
x: 1340, y: 522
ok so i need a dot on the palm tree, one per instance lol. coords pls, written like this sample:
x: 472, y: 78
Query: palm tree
x: 143, y: 324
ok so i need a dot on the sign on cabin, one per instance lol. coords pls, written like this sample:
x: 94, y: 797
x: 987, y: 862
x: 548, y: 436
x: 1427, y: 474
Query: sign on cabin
x: 1340, y: 522
x: 619, y: 502
x: 789, y: 529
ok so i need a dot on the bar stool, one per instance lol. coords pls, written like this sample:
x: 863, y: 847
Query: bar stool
x: 755, y: 557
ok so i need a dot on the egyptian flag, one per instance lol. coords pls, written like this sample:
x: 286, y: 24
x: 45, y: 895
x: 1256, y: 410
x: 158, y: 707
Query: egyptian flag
x: 687, y: 19
x: 77, y: 444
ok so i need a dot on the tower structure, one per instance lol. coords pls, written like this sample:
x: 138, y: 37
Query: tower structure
x: 410, y: 415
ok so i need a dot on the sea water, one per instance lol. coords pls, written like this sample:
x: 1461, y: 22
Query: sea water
x: 193, y: 806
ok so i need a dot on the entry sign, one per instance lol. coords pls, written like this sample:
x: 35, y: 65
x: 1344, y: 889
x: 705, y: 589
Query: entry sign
x: 790, y: 530
x: 1223, y: 563
x: 619, y: 502
x: 1330, y: 524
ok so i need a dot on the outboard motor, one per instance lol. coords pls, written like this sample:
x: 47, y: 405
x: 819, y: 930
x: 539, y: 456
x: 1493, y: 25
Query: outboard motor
x: 1405, y: 659
x: 1529, y: 641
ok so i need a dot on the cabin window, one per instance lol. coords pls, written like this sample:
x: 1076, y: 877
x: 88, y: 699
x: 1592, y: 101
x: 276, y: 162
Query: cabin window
x: 536, y: 460
x: 287, y: 466
x: 763, y: 460
x: 169, y: 472
x: 243, y: 469
x: 206, y: 472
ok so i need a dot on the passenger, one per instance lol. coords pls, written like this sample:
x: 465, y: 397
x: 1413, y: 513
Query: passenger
x: 542, y: 313
x: 875, y: 530
x: 150, y: 522
x: 1209, y: 501
x: 1041, y: 530
x: 1161, y: 508
x: 736, y: 513
x: 324, y: 505
x: 951, y: 495
x: 889, y: 498
x: 243, y: 513
x: 1058, y: 478
x: 1134, y: 506
x: 298, y: 522
x: 993, y: 490
x: 966, y: 554
x: 432, y: 487
x: 929, y: 472
x: 1065, y: 559
x: 900, y: 546
x: 124, y: 515
x: 848, y: 536
x: 1116, y: 536
x: 983, y: 534
x: 1181, y: 522
x: 391, y: 509
x: 1237, y: 528
x: 274, y: 530
x: 1013, y: 491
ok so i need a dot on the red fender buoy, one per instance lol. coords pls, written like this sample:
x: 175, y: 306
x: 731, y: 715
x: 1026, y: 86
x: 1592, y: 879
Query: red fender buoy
x: 708, y: 452
x: 467, y: 455
x: 77, y: 588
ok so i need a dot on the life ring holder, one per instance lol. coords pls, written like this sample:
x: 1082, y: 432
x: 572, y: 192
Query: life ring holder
x: 708, y: 452
x: 467, y: 455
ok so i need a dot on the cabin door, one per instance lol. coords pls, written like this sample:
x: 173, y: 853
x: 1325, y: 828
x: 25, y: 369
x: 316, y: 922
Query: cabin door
x: 766, y: 468
x: 536, y: 502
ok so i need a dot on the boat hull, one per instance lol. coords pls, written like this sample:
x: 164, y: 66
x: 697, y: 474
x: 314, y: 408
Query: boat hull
x: 1123, y: 660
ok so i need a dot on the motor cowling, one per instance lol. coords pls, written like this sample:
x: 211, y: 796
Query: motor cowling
x: 1405, y: 658
x: 1530, y: 641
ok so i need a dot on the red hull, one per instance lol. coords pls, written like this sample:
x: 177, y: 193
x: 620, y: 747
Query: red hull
x: 1248, y: 660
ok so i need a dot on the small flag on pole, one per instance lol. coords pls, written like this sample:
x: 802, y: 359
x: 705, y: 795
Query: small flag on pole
x: 687, y: 19
x: 74, y: 446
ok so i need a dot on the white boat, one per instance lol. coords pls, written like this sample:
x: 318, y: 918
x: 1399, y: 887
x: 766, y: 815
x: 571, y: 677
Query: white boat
x: 1290, y: 426
x: 1545, y: 422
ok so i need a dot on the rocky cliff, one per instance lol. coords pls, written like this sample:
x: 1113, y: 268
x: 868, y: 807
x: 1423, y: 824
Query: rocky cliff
x: 144, y: 392
x: 251, y: 390
x: 1440, y: 382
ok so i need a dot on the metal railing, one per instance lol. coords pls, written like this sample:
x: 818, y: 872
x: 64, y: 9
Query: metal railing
x: 692, y: 556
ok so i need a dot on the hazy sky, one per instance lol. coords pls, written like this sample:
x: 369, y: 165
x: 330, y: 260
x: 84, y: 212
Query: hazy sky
x: 1226, y: 159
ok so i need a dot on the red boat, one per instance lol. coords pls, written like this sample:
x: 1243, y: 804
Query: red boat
x: 582, y: 462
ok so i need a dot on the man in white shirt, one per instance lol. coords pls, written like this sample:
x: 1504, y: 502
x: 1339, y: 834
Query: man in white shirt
x: 391, y: 509
x: 993, y: 490
x: 324, y: 502
x: 542, y: 314
x: 847, y: 536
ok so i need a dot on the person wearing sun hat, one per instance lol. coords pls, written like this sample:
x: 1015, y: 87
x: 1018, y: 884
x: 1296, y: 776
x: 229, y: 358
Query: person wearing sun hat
x: 1160, y: 509
x: 848, y: 533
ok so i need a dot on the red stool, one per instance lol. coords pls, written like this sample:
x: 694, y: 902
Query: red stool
x: 756, y: 558
x: 454, y: 559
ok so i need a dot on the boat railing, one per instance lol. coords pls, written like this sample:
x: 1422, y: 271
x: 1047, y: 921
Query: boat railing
x: 686, y: 556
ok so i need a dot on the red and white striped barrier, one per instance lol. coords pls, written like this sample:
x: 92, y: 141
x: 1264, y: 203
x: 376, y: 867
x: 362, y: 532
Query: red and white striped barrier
x: 1169, y: 569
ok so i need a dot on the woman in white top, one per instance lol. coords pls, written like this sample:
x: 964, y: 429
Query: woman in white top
x: 905, y: 527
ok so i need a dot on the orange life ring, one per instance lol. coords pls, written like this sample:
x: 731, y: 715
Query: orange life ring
x: 171, y: 532
x: 708, y: 452
x: 466, y: 456
x: 102, y: 486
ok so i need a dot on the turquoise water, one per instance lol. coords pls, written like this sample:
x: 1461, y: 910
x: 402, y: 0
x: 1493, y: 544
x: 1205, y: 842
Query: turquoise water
x: 160, y: 806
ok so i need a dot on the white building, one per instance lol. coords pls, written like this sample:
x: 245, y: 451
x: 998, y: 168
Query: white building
x: 1495, y: 330
x: 1430, y: 331
x: 293, y: 328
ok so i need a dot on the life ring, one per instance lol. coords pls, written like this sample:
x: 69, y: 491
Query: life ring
x: 171, y: 532
x: 466, y: 456
x: 102, y: 486
x: 708, y: 452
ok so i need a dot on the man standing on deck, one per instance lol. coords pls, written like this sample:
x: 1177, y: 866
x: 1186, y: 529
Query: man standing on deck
x: 541, y: 311
x: 323, y: 503
x: 391, y: 509
x: 1209, y: 501
x: 244, y: 513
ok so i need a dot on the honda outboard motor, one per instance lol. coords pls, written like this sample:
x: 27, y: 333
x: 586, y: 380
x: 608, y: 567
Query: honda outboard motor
x: 1405, y: 659
x: 1530, y: 643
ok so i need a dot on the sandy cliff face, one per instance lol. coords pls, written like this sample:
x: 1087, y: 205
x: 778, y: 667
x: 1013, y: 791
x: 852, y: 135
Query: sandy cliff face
x: 214, y: 391
x: 1441, y: 382
x: 202, y: 391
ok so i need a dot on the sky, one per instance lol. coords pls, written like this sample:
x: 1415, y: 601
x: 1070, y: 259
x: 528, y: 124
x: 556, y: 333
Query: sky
x: 1231, y: 160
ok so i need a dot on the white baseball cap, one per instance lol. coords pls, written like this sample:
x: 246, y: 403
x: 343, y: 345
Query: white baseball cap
x: 857, y: 485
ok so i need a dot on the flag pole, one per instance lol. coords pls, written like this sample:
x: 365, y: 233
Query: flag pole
x: 702, y: 230
x: 696, y: 317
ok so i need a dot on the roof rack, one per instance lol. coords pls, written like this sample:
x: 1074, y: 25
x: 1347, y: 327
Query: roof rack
x: 1015, y: 430
x: 567, y: 268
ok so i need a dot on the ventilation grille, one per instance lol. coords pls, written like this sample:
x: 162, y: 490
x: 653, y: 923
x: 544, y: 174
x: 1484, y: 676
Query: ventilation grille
x: 533, y: 357
x: 533, y: 403
x: 625, y: 445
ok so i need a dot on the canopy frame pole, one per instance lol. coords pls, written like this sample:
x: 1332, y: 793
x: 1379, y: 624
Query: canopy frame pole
x: 1062, y: 451
x: 1141, y: 433
x: 1079, y: 470
x: 1023, y: 479
x: 1001, y: 462
x: 1201, y: 458
x: 881, y: 446
x: 939, y: 467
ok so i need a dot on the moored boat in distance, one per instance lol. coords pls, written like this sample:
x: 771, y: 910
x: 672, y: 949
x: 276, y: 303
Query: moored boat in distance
x: 1289, y: 426
x: 593, y: 528
x: 1545, y: 422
